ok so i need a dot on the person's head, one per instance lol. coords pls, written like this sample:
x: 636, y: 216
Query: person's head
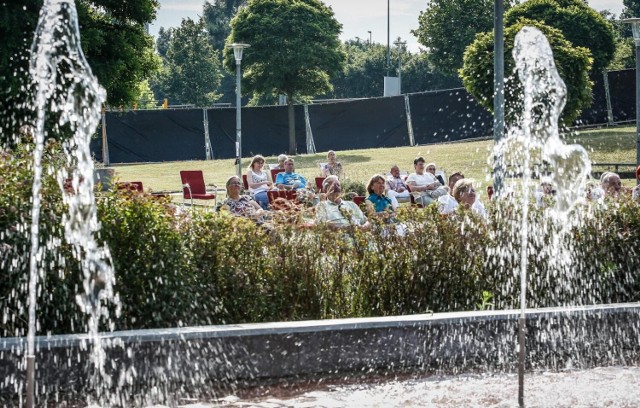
x: 289, y: 165
x: 464, y: 193
x: 546, y: 186
x: 453, y: 179
x: 234, y: 186
x: 257, y: 162
x: 331, y: 156
x: 431, y: 168
x: 281, y: 159
x: 332, y: 186
x: 418, y: 164
x: 376, y: 185
x: 611, y: 183
x: 395, y: 171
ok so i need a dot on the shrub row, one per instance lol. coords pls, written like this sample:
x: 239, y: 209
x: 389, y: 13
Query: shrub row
x: 178, y: 267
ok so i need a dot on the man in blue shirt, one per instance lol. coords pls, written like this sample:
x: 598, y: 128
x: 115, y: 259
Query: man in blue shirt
x: 290, y: 180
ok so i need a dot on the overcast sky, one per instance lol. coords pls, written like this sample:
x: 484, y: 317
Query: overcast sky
x: 356, y: 16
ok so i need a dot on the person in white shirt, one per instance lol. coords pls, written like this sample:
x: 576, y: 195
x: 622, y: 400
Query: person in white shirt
x: 448, y: 203
x: 258, y: 182
x: 424, y: 186
x: 465, y: 195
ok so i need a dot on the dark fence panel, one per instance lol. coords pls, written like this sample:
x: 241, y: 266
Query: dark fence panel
x: 622, y: 85
x: 597, y: 112
x: 448, y: 115
x: 359, y: 124
x: 155, y: 135
x: 265, y: 130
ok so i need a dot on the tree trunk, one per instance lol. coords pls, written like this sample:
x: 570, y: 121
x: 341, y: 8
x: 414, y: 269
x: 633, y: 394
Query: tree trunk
x: 292, y: 127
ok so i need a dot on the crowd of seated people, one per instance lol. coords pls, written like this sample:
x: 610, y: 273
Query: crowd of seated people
x: 384, y: 193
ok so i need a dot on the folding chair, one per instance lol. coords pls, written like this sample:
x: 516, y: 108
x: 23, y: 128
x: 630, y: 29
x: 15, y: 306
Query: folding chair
x: 272, y: 195
x: 245, y: 182
x: 274, y: 174
x: 442, y: 177
x: 193, y: 187
x: 359, y: 200
x: 319, y: 181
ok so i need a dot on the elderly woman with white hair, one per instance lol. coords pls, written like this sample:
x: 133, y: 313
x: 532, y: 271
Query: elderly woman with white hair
x: 336, y: 212
x: 465, y: 195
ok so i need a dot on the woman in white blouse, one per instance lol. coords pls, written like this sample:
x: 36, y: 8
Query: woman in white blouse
x: 258, y: 181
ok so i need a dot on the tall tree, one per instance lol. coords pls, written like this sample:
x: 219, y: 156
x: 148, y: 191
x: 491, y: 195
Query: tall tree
x: 217, y: 16
x: 192, y: 66
x: 579, y: 23
x: 114, y: 41
x: 446, y: 27
x: 295, y: 49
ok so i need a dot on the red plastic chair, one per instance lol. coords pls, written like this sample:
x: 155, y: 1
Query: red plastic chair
x: 359, y: 200
x: 193, y: 186
x: 286, y: 194
x: 245, y: 182
x: 319, y: 181
x: 274, y: 174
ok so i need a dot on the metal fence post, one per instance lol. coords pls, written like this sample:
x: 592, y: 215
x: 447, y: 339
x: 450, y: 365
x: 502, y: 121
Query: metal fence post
x: 407, y: 107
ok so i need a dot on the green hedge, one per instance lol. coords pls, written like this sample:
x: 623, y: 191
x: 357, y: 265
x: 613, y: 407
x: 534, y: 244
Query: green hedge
x: 180, y: 267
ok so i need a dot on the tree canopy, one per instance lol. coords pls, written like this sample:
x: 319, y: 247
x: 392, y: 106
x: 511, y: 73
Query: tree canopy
x: 294, y: 51
x: 579, y: 23
x: 192, y: 69
x: 446, y: 27
x: 573, y: 64
x: 114, y: 42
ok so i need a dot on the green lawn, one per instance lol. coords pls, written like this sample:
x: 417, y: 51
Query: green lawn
x: 604, y: 145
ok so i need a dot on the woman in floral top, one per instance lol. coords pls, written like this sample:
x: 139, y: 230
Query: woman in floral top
x: 240, y: 205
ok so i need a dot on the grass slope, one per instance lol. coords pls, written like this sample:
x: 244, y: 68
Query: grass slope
x: 609, y: 145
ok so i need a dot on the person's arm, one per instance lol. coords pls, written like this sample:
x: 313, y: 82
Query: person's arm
x: 280, y: 181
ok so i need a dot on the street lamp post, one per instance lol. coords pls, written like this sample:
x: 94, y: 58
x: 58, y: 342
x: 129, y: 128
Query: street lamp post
x: 635, y: 28
x: 400, y: 45
x: 388, y: 34
x: 237, y: 52
x: 369, y: 37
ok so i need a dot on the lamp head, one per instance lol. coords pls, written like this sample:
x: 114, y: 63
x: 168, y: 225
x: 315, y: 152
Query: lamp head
x: 635, y: 28
x: 237, y: 50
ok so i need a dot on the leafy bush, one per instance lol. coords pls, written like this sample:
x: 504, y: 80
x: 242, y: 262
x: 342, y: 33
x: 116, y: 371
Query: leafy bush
x: 181, y: 267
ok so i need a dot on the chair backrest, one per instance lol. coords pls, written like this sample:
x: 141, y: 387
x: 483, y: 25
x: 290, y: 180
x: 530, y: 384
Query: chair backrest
x: 245, y: 182
x: 195, y: 179
x: 359, y: 200
x: 286, y: 194
x: 274, y: 174
x: 442, y: 177
x: 319, y: 181
x: 130, y: 185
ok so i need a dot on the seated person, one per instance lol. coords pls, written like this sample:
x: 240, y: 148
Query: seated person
x: 258, y: 181
x: 336, y: 212
x: 545, y: 190
x: 424, y: 186
x: 332, y: 167
x: 240, y: 205
x: 610, y: 186
x: 377, y: 201
x: 281, y: 159
x: 447, y: 203
x: 396, y: 188
x: 465, y: 195
x: 289, y: 180
x: 431, y: 168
